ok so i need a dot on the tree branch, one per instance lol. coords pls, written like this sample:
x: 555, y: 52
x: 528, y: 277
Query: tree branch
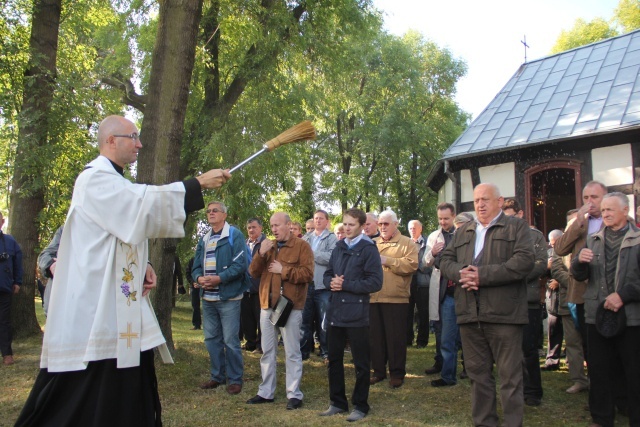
x: 129, y: 95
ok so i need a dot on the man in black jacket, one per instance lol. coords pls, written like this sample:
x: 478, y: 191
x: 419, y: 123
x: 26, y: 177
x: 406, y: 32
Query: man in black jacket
x: 250, y: 307
x: 354, y: 271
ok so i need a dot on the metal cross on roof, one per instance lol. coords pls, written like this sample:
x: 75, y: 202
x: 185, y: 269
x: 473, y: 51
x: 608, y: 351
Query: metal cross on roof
x: 524, y: 42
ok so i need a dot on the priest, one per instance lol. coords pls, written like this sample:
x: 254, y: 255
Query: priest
x: 97, y: 364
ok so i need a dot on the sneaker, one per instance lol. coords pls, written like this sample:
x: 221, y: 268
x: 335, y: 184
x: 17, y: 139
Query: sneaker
x: 333, y: 410
x: 356, y: 415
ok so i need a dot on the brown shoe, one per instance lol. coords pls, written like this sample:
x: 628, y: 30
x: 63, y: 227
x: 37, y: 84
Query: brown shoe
x: 234, y: 388
x: 8, y: 360
x: 210, y: 384
x: 396, y: 382
x: 375, y: 380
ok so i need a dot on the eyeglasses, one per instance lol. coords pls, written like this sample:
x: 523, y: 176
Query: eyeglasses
x: 214, y: 210
x: 133, y: 136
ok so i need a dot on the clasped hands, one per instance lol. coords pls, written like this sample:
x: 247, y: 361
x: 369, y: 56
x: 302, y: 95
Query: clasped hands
x: 336, y: 283
x: 469, y: 278
x: 208, y: 282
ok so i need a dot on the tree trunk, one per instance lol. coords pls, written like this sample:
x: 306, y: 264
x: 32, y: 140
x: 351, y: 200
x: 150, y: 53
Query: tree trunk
x: 162, y: 128
x: 27, y: 193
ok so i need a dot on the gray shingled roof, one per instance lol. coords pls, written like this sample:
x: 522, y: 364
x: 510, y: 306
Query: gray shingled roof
x: 588, y: 90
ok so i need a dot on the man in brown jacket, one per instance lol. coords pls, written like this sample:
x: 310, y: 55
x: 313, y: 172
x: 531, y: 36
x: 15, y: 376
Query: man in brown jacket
x: 490, y: 258
x: 388, y: 310
x: 588, y: 221
x: 284, y: 264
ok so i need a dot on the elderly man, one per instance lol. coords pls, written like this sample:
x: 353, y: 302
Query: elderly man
x: 419, y: 298
x: 353, y: 273
x: 371, y: 226
x: 10, y: 281
x: 285, y: 266
x: 322, y: 241
x: 97, y: 351
x: 588, y: 221
x: 611, y: 263
x: 490, y: 259
x: 219, y: 268
x: 388, y: 315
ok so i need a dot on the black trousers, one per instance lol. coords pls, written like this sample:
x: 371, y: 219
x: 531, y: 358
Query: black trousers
x: 582, y: 325
x: 196, y: 319
x: 530, y: 337
x: 614, y: 367
x: 100, y: 395
x: 5, y: 324
x: 250, y: 320
x: 388, y: 340
x: 418, y: 301
x: 336, y: 340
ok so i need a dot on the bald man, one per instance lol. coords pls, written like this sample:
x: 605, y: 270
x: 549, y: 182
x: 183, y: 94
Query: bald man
x: 97, y: 352
x: 489, y: 260
x: 284, y: 266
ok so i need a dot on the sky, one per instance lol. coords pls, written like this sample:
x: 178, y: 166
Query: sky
x: 487, y: 34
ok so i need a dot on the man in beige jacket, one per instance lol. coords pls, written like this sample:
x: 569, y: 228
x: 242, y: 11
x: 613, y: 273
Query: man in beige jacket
x: 388, y: 312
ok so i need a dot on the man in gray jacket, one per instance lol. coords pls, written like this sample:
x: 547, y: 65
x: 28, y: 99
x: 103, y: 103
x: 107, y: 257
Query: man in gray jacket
x: 322, y: 241
x: 489, y: 259
x: 611, y: 263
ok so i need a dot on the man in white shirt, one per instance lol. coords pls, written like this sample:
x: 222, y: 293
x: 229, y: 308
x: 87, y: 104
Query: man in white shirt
x: 100, y: 320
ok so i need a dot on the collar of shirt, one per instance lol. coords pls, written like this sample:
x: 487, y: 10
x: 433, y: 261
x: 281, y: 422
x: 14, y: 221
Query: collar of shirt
x: 352, y: 242
x: 118, y: 169
x: 481, y: 232
x: 595, y: 224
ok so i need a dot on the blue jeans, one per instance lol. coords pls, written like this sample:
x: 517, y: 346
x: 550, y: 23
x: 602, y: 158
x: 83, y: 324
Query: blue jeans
x: 315, y: 309
x: 221, y: 328
x: 450, y: 340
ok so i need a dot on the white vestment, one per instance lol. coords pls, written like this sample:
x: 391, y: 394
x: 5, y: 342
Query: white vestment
x: 109, y: 222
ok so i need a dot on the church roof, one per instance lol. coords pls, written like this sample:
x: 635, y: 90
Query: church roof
x: 589, y: 90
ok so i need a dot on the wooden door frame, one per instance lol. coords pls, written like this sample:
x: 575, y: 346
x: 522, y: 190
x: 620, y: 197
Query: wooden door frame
x: 572, y: 164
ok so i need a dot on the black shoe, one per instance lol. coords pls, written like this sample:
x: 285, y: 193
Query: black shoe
x: 532, y: 401
x: 435, y: 369
x: 421, y: 346
x: 464, y: 375
x: 294, y: 403
x: 553, y: 367
x: 440, y: 383
x: 258, y: 399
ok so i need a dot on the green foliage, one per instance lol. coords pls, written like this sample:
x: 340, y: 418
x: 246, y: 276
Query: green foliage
x: 583, y: 33
x: 627, y: 15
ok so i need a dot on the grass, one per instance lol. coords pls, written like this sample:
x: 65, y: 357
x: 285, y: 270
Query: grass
x: 185, y: 404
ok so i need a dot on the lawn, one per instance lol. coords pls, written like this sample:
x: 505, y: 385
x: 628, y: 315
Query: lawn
x: 185, y: 404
